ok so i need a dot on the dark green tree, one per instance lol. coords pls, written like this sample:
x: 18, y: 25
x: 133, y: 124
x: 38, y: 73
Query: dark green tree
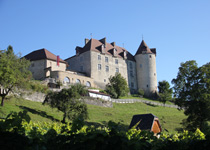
x: 69, y: 101
x: 192, y: 92
x: 117, y: 86
x: 14, y: 72
x: 165, y: 92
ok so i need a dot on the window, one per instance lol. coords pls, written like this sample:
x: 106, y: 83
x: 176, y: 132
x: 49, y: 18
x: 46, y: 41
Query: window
x: 147, y: 85
x: 104, y: 80
x: 140, y: 65
x: 106, y: 59
x: 131, y: 73
x: 78, y: 81
x: 150, y: 56
x: 99, y: 57
x: 132, y: 84
x: 117, y: 69
x: 32, y: 65
x: 131, y: 65
x: 116, y: 61
x: 81, y: 68
x: 99, y: 66
x: 88, y: 84
x: 154, y: 74
x: 66, y: 80
x: 107, y: 68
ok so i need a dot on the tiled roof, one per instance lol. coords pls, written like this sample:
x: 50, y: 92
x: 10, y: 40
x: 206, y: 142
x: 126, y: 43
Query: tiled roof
x: 146, y: 121
x: 42, y: 54
x: 96, y: 45
x: 144, y: 49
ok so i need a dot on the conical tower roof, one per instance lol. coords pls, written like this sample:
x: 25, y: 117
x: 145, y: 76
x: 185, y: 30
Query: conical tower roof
x: 143, y: 49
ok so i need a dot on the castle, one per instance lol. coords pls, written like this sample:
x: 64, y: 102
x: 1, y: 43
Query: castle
x: 95, y: 62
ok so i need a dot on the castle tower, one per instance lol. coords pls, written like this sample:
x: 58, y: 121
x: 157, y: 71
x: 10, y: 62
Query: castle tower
x: 146, y: 69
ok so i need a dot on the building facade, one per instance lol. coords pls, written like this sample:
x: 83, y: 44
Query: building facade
x: 99, y: 60
x: 95, y: 62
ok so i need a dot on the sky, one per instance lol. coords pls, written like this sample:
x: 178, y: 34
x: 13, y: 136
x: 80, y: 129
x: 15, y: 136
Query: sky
x: 178, y: 29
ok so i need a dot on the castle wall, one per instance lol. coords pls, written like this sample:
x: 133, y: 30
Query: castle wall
x: 80, y: 63
x: 54, y: 67
x: 146, y: 73
x: 107, y: 68
x: 132, y: 76
x: 37, y: 69
x: 73, y: 78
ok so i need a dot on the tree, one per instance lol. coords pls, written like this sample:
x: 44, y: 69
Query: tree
x: 14, y: 72
x: 165, y: 92
x: 69, y: 102
x: 192, y: 92
x: 117, y: 86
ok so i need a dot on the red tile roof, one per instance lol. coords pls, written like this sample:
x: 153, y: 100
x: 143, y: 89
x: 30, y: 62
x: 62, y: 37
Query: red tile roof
x: 42, y: 54
x: 95, y: 45
x: 144, y: 49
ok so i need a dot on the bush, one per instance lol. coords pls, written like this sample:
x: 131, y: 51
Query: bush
x: 79, y: 136
x: 141, y: 92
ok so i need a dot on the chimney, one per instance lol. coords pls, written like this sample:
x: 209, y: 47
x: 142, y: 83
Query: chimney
x: 86, y: 41
x: 103, y: 41
x: 113, y: 44
x: 77, y: 50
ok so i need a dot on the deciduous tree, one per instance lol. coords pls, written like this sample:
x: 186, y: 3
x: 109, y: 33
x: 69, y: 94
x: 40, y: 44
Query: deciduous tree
x: 14, y: 72
x: 165, y: 92
x: 192, y: 92
x: 117, y: 86
x: 69, y: 102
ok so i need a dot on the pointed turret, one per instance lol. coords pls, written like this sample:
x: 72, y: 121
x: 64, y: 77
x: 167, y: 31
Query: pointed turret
x: 143, y: 49
x: 146, y: 69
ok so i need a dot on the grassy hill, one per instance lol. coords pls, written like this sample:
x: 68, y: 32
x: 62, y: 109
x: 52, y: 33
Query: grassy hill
x: 170, y: 118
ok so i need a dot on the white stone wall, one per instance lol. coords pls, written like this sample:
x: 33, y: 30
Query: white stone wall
x: 37, y: 69
x: 146, y: 73
x: 101, y: 77
x: 73, y: 77
x: 54, y: 66
x: 80, y: 63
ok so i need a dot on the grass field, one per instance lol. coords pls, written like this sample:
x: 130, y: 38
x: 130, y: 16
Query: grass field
x: 170, y: 118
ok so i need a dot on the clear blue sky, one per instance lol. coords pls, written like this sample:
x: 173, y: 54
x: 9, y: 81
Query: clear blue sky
x: 178, y: 29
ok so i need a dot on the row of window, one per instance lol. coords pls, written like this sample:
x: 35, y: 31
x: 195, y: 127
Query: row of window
x: 107, y: 59
x: 67, y: 81
x: 107, y: 68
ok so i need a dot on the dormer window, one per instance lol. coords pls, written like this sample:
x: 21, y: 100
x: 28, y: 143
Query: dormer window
x: 103, y: 49
x: 124, y: 54
x: 115, y: 52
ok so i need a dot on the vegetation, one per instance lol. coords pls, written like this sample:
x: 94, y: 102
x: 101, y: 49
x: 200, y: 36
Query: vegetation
x: 37, y: 86
x: 117, y: 86
x: 141, y: 92
x: 170, y: 118
x: 18, y: 132
x: 192, y: 92
x: 165, y: 92
x: 69, y: 102
x: 14, y: 72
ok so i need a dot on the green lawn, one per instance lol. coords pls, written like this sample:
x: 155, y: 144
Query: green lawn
x: 135, y: 96
x: 170, y: 118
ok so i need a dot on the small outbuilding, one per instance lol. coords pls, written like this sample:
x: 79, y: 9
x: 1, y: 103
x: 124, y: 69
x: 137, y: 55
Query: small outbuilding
x: 146, y: 122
